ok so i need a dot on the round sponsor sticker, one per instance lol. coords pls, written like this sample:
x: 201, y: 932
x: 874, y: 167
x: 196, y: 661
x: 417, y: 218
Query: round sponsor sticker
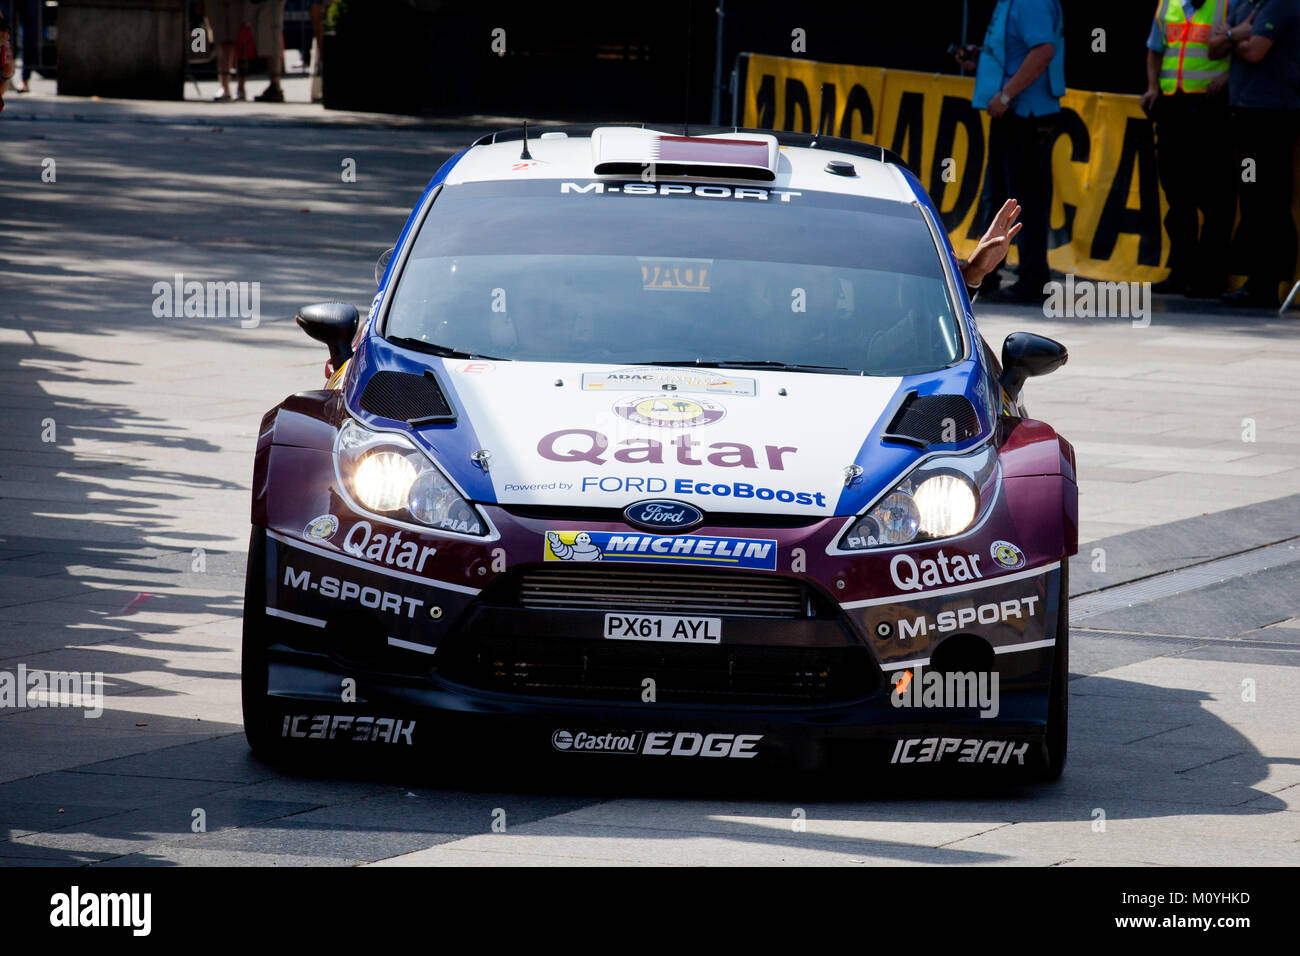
x: 670, y: 411
x: 561, y: 740
x: 322, y: 528
x: 1007, y: 555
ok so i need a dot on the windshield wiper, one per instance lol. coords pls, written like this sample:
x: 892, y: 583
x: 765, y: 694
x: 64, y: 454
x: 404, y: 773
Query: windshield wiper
x: 763, y: 363
x: 441, y: 350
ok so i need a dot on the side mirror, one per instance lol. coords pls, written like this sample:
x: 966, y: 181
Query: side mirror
x: 1025, y: 354
x: 381, y: 264
x: 334, y: 323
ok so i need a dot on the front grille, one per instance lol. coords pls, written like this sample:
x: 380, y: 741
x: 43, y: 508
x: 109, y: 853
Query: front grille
x: 665, y: 590
x: 617, y: 670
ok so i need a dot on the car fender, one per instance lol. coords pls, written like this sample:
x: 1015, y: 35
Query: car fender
x: 1038, y: 471
x: 306, y: 420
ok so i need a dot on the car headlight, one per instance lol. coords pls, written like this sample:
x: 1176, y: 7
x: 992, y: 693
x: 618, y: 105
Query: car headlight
x: 382, y: 480
x: 940, y: 498
x: 386, y: 474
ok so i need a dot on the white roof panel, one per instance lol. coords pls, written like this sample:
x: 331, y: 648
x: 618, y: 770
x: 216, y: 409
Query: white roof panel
x: 571, y: 157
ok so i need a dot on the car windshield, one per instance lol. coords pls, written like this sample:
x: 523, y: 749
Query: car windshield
x: 639, y: 273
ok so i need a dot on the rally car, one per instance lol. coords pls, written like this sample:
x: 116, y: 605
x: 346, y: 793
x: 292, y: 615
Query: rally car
x: 665, y: 445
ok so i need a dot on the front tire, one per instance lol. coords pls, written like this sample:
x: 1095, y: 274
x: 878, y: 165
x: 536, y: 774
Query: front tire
x: 254, y: 667
x: 1057, y: 736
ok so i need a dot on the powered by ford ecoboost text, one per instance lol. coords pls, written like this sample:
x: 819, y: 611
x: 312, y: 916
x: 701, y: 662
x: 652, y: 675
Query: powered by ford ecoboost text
x: 660, y: 447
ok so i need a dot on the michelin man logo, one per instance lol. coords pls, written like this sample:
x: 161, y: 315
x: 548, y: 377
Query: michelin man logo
x: 580, y: 550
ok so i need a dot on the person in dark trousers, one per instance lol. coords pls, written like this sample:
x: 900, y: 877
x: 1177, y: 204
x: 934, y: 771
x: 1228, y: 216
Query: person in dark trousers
x: 1187, y: 96
x: 1019, y: 79
x: 267, y: 20
x: 24, y: 15
x: 1262, y: 40
x: 6, y: 59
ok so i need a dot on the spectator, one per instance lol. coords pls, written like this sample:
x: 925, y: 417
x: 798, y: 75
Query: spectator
x: 23, y: 16
x: 1262, y: 38
x: 1019, y: 79
x: 1187, y: 97
x: 267, y: 19
x: 992, y: 249
x: 317, y: 52
x: 226, y: 17
x: 6, y: 59
x: 993, y: 192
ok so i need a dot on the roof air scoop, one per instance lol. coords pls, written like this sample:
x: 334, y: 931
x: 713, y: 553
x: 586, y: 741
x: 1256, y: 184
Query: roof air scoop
x: 621, y: 151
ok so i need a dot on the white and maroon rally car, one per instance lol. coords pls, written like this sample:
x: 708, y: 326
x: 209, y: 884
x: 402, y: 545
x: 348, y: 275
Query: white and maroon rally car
x: 668, y: 447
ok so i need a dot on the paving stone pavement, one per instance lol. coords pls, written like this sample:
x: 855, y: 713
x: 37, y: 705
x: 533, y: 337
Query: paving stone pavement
x: 122, y: 543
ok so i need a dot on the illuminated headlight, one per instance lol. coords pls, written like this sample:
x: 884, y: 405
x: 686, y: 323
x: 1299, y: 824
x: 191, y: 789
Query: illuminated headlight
x: 382, y: 481
x: 386, y: 474
x: 946, y: 504
x: 942, y: 497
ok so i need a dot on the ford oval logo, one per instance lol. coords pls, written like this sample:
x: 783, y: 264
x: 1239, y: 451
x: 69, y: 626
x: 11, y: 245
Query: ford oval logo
x: 663, y: 516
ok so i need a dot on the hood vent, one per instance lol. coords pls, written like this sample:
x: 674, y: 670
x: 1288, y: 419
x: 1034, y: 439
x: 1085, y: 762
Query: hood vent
x: 933, y: 420
x: 415, y: 399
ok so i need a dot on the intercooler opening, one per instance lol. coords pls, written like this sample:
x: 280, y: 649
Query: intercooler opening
x: 665, y: 590
x: 630, y: 671
x: 356, y: 638
x: 963, y: 654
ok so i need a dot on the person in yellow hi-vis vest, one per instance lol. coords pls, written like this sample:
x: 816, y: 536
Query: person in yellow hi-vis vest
x: 1187, y: 97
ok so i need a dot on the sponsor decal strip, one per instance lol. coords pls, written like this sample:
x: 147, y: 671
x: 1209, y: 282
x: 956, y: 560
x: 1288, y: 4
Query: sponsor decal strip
x: 900, y: 665
x: 389, y: 730
x: 339, y: 589
x: 658, y: 743
x: 1004, y: 649
x: 954, y: 619
x: 639, y: 379
x: 366, y: 566
x: 1029, y: 646
x: 299, y: 618
x: 317, y: 622
x: 977, y: 750
x: 411, y: 646
x: 758, y: 553
x: 955, y: 589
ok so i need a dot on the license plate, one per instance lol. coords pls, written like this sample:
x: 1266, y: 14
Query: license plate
x: 659, y: 627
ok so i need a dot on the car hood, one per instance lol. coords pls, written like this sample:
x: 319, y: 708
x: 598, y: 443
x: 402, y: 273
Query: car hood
x: 605, y: 436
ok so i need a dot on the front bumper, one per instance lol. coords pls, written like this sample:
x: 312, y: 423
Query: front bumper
x: 432, y: 663
x: 435, y: 714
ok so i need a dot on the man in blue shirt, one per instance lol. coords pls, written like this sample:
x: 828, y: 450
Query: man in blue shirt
x: 1019, y: 79
x: 1263, y: 39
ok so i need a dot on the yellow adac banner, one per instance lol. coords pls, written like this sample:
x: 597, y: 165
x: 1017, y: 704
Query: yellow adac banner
x: 1107, y: 206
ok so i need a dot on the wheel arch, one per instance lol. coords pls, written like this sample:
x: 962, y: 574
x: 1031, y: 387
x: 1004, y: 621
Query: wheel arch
x: 305, y: 420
